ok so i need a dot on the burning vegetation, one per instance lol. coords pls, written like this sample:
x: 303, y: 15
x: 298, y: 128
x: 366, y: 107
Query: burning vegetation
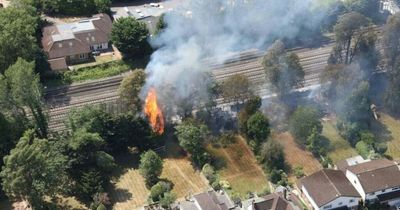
x: 153, y: 112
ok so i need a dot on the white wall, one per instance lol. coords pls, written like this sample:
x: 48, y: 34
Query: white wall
x: 338, y: 202
x: 356, y: 183
x: 341, y: 201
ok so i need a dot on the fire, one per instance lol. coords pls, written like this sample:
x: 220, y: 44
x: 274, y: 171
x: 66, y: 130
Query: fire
x: 153, y: 112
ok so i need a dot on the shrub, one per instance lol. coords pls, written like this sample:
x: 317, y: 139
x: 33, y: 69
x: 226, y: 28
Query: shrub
x: 298, y: 171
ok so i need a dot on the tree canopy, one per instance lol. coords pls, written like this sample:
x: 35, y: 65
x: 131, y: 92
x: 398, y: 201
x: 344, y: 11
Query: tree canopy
x: 150, y: 167
x: 236, y: 88
x: 130, y: 37
x: 130, y: 88
x: 303, y: 121
x: 284, y: 71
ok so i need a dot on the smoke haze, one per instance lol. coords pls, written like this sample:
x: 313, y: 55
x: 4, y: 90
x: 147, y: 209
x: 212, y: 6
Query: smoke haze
x: 201, y: 29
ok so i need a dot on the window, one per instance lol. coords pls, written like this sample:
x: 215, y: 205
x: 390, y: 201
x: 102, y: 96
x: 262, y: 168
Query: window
x: 395, y: 188
x: 328, y: 206
x: 60, y: 45
x: 70, y: 44
x: 351, y: 200
x: 355, y: 182
x: 340, y: 203
x: 81, y: 56
x: 93, y: 39
x: 372, y: 193
x: 383, y: 190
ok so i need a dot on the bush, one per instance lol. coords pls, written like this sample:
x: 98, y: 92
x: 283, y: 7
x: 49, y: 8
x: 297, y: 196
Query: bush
x: 364, y: 149
x: 264, y: 192
x: 302, y: 123
x: 326, y: 161
x: 96, y: 72
x: 298, y: 171
x: 209, y: 172
x: 158, y: 190
x: 381, y: 148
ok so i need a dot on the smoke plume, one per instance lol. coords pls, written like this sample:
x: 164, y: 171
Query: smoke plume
x: 200, y: 29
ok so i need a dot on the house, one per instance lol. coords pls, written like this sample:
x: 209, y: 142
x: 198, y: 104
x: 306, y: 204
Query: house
x: 209, y: 200
x: 71, y: 43
x: 375, y: 180
x: 329, y: 189
x: 274, y: 201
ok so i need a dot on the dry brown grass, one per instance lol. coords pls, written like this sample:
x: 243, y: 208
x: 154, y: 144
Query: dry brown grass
x: 296, y: 156
x: 130, y: 191
x: 238, y: 166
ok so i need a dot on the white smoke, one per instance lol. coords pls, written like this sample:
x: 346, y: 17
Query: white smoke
x: 201, y: 29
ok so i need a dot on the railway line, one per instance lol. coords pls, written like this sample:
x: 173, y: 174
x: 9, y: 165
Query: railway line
x: 248, y: 63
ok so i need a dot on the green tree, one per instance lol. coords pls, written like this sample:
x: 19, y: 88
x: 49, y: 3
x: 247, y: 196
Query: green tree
x: 161, y: 25
x: 272, y: 155
x: 191, y: 138
x: 130, y: 37
x: 258, y: 128
x: 250, y: 107
x: 391, y: 41
x: 150, y: 167
x: 29, y: 174
x: 130, y: 88
x: 236, y: 88
x: 17, y: 38
x: 369, y: 8
x: 349, y: 30
x: 284, y: 71
x: 302, y: 122
x: 21, y: 88
x: 167, y: 200
x: 158, y: 190
x: 364, y: 149
x: 102, y: 6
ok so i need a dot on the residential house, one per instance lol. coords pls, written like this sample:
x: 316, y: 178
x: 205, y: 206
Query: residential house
x: 329, y: 189
x: 274, y: 201
x: 209, y: 200
x: 71, y: 43
x: 375, y: 180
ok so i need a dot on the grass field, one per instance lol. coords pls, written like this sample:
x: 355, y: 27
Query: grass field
x: 130, y: 191
x: 297, y: 156
x: 340, y: 148
x: 238, y: 166
x: 390, y: 132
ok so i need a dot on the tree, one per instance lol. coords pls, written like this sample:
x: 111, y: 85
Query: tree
x: 17, y: 38
x: 191, y: 138
x: 364, y: 149
x: 28, y: 172
x: 391, y: 41
x: 349, y: 30
x: 302, y: 122
x: 22, y: 89
x: 250, y: 107
x: 161, y: 25
x: 157, y: 191
x: 130, y: 37
x: 272, y: 155
x: 284, y: 71
x: 369, y: 8
x: 102, y: 6
x: 150, y: 167
x: 236, y: 88
x: 316, y: 144
x: 167, y: 200
x: 130, y: 88
x: 392, y: 94
x: 258, y: 128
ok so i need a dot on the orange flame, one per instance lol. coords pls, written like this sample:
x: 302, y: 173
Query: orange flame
x: 153, y: 112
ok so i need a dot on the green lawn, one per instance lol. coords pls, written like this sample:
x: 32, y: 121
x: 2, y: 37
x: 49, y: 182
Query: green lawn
x: 340, y: 148
x: 88, y: 73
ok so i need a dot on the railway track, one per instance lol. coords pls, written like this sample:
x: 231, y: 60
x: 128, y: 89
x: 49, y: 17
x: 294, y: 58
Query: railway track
x: 249, y: 63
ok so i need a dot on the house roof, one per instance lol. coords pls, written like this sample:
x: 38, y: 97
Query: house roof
x: 377, y: 175
x: 273, y: 201
x: 344, y: 164
x: 212, y: 200
x: 334, y: 184
x: 58, y: 64
x: 75, y: 38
